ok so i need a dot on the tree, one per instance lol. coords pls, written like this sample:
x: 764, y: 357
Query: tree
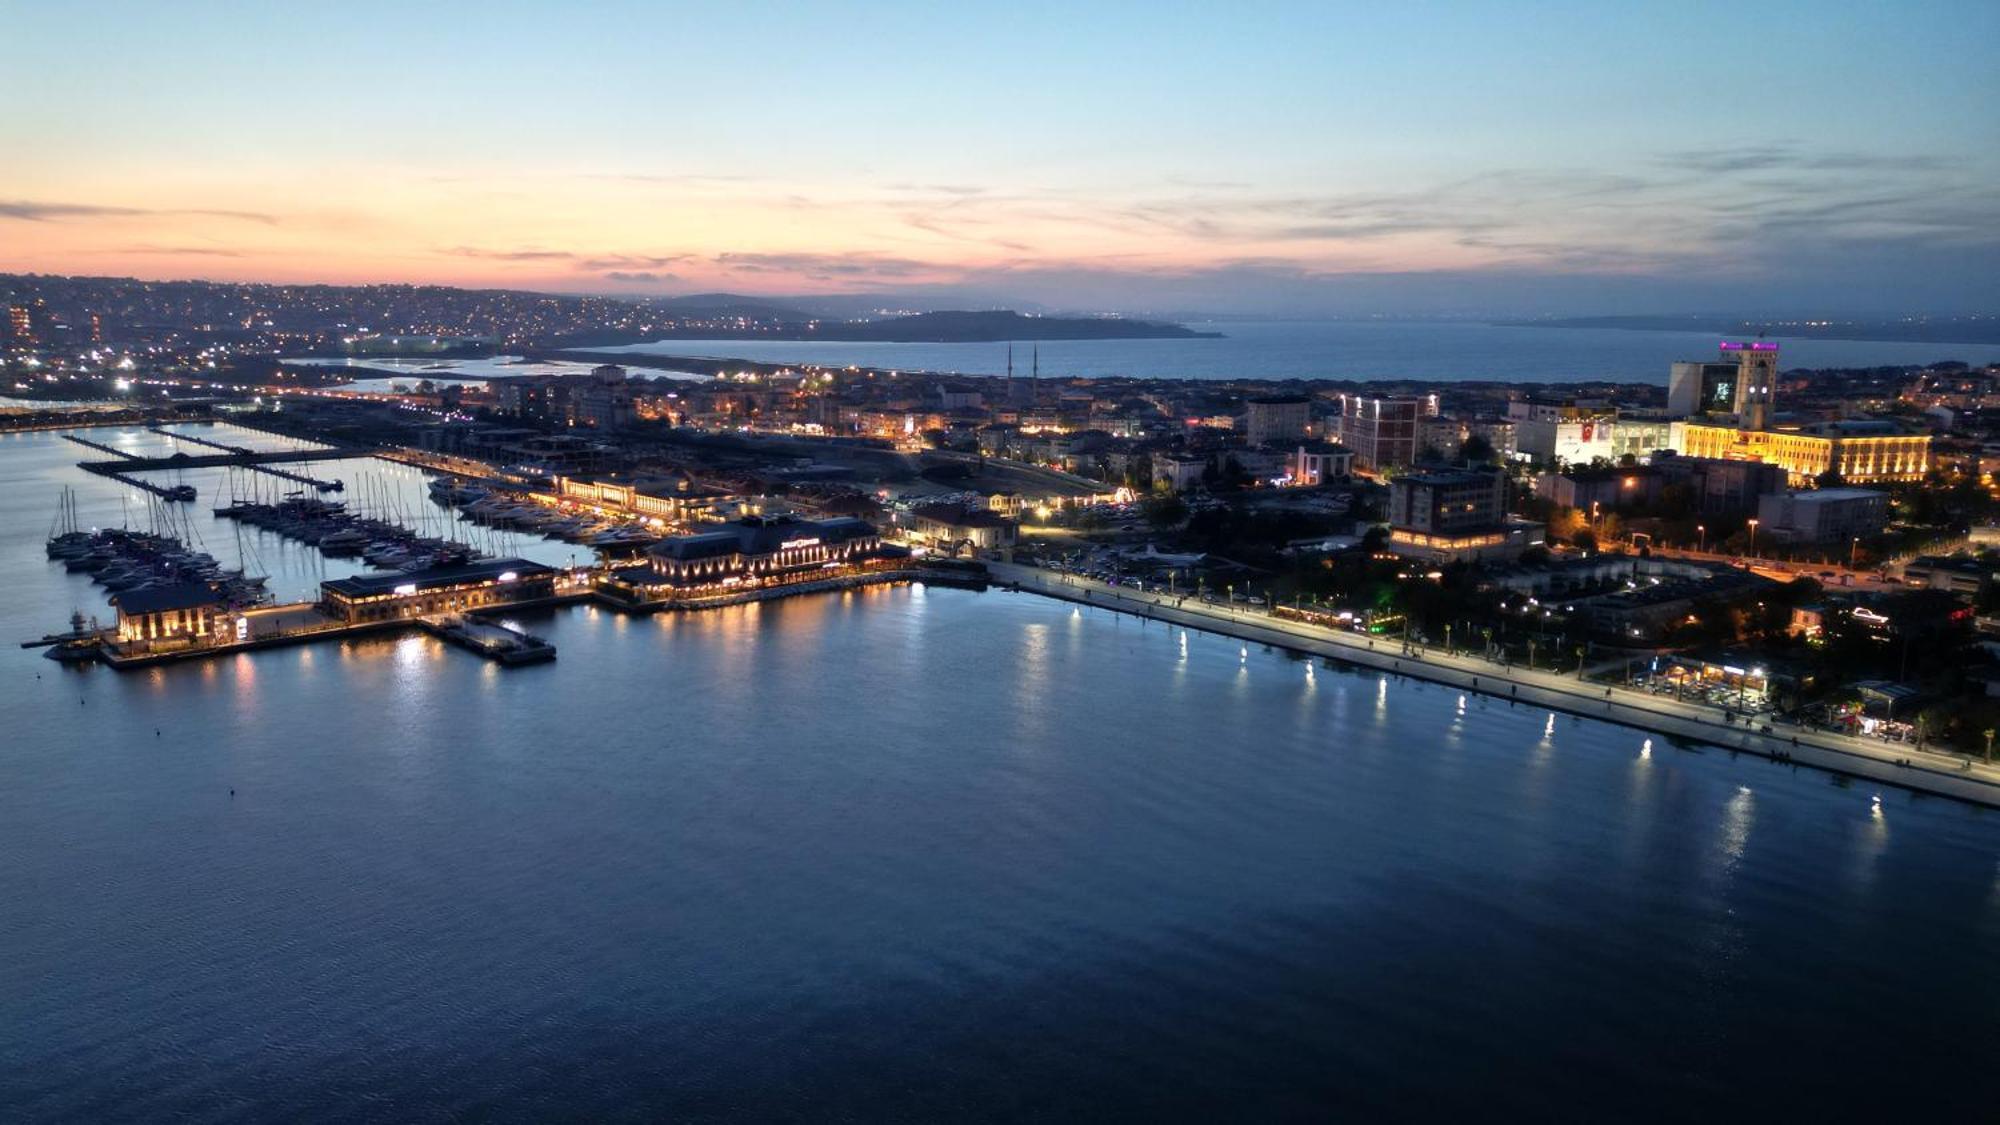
x: 1477, y: 449
x: 1164, y: 512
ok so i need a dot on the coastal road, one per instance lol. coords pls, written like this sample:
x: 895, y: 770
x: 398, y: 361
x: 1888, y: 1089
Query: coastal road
x: 1926, y: 771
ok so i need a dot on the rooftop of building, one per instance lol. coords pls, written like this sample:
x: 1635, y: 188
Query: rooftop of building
x: 166, y: 599
x: 960, y: 515
x: 1834, y: 495
x: 485, y: 570
x: 1445, y: 477
x: 759, y: 535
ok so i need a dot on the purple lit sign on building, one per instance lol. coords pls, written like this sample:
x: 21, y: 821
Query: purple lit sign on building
x: 1756, y: 346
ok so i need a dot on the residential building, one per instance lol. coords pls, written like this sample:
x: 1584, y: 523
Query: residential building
x: 1177, y: 472
x: 1381, y: 432
x: 1721, y: 486
x: 1278, y: 418
x: 1611, y: 489
x: 1823, y: 515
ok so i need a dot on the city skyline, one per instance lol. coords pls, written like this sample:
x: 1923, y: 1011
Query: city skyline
x: 1294, y: 161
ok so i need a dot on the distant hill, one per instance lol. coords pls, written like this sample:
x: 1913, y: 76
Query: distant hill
x: 997, y: 325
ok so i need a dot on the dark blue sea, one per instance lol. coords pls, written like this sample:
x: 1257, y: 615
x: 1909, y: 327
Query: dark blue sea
x: 1349, y: 349
x: 922, y: 854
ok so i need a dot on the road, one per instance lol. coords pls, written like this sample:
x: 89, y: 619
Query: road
x: 1927, y: 771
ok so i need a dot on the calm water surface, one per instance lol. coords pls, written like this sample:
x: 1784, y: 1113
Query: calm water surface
x: 931, y: 854
x: 1432, y: 350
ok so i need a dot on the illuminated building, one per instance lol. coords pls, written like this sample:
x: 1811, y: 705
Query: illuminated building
x: 448, y: 589
x: 1315, y: 464
x: 1861, y: 452
x: 950, y: 527
x: 181, y: 614
x: 1382, y: 432
x: 760, y: 550
x: 1743, y: 385
x: 20, y: 324
x: 1456, y: 514
x: 1563, y: 433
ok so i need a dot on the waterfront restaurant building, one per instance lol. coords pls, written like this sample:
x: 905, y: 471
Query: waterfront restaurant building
x: 184, y: 613
x: 446, y: 589
x: 761, y: 549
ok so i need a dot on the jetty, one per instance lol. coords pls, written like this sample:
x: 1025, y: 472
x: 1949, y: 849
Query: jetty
x: 251, y: 461
x: 490, y: 639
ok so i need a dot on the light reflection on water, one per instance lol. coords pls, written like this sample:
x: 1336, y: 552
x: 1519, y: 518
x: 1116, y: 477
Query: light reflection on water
x: 766, y: 856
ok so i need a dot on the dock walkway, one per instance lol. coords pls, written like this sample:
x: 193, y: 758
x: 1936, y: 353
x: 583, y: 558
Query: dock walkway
x: 1926, y: 771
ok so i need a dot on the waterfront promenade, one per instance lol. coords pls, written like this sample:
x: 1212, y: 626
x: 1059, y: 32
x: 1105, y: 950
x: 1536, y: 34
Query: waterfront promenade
x: 1927, y: 771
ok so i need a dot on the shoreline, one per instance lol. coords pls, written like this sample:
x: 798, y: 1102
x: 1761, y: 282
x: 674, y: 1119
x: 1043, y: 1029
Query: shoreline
x: 1928, y: 773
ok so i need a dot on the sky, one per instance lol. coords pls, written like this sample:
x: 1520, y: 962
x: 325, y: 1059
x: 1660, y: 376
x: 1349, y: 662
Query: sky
x: 1290, y: 159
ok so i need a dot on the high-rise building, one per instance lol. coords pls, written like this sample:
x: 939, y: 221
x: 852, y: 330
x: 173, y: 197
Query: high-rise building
x: 1756, y: 382
x: 1278, y: 418
x: 1743, y: 384
x: 1382, y: 432
x: 1701, y: 388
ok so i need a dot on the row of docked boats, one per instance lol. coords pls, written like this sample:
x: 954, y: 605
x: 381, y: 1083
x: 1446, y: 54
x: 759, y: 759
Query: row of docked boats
x: 121, y: 560
x: 496, y: 508
x: 339, y: 533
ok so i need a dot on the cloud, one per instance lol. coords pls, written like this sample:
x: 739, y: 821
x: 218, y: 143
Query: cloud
x: 510, y: 255
x: 630, y: 261
x: 825, y: 267
x: 176, y: 251
x: 639, y: 276
x: 41, y: 211
x: 1783, y: 154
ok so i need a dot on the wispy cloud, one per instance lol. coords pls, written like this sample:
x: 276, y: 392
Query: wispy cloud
x: 44, y: 211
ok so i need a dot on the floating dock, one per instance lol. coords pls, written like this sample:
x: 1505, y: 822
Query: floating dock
x: 490, y: 639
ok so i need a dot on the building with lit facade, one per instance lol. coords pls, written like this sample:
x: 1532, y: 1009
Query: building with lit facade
x: 1381, y: 432
x: 1742, y: 385
x: 1455, y: 515
x: 1860, y: 451
x: 368, y: 598
x: 1316, y: 463
x: 186, y: 613
x: 760, y: 550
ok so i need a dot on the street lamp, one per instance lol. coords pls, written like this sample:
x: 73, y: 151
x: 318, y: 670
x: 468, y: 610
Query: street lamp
x: 1753, y: 538
x: 1852, y: 548
x: 1701, y: 538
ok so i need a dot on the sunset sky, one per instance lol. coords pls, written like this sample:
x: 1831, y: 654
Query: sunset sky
x: 1292, y: 158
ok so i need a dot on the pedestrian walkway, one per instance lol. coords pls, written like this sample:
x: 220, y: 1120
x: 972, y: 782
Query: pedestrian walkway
x: 1925, y: 771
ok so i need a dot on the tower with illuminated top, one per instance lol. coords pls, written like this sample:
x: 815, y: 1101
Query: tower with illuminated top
x: 1756, y: 381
